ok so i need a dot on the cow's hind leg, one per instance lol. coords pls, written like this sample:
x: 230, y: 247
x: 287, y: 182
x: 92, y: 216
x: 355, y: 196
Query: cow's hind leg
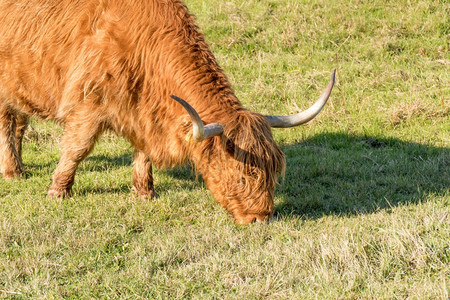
x: 81, y: 131
x: 21, y: 125
x: 142, y: 176
x: 10, y: 161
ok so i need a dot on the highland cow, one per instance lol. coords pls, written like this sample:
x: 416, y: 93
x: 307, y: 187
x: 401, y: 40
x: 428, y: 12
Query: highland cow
x: 94, y: 65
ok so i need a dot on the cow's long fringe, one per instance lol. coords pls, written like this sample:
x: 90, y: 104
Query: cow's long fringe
x: 247, y: 181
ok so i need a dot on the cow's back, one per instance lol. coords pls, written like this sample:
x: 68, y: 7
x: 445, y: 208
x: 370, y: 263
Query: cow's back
x: 39, y: 41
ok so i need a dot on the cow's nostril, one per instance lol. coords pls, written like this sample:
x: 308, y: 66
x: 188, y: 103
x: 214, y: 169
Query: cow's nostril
x: 254, y: 220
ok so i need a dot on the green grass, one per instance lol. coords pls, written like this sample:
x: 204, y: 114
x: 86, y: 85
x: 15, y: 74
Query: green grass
x: 362, y: 212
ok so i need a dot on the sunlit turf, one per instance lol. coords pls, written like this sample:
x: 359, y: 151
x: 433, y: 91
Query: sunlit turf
x: 362, y: 211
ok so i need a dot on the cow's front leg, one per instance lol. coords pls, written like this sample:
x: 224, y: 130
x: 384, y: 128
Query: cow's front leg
x: 10, y: 161
x: 142, y: 176
x: 80, y: 134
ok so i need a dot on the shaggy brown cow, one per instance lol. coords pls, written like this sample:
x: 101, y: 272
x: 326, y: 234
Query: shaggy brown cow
x: 93, y: 65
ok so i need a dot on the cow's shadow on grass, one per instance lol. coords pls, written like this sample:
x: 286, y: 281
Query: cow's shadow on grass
x: 181, y: 178
x: 330, y: 173
x: 103, y: 161
x: 337, y: 173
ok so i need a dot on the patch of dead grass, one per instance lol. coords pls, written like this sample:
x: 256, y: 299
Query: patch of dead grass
x: 406, y: 111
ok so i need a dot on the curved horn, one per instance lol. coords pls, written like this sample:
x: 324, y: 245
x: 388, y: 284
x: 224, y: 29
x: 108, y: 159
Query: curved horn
x: 199, y: 131
x: 304, y: 116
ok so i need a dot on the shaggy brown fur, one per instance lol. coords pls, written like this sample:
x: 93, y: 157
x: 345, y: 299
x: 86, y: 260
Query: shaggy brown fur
x: 108, y: 64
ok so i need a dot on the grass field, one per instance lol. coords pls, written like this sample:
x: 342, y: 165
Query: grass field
x: 362, y: 212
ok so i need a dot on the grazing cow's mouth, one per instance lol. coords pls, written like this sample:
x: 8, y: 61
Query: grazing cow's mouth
x: 246, y: 219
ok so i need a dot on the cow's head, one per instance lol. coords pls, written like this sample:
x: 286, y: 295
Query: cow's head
x: 240, y: 161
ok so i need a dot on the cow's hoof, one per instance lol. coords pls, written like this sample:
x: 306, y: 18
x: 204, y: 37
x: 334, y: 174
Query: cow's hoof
x: 9, y: 175
x: 146, y: 194
x: 55, y: 193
